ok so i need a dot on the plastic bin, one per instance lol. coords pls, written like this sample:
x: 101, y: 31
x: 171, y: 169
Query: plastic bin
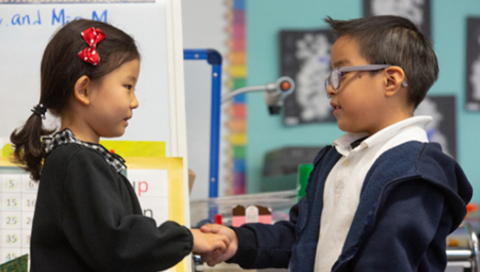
x: 279, y: 204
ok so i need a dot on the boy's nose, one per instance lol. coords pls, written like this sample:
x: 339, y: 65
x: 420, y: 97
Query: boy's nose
x: 330, y: 91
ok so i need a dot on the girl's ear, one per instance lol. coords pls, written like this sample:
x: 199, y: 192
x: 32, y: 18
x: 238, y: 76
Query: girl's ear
x: 394, y: 78
x: 82, y: 91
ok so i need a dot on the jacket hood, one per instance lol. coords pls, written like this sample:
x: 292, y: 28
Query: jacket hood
x: 432, y: 165
x: 446, y: 173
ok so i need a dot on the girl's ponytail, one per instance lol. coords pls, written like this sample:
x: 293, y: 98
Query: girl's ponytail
x: 28, y: 150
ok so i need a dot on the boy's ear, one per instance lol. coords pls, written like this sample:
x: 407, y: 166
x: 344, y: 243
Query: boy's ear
x: 394, y: 78
x: 82, y: 90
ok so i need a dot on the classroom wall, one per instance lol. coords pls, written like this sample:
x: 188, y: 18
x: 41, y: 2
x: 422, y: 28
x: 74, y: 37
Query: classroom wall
x: 267, y: 17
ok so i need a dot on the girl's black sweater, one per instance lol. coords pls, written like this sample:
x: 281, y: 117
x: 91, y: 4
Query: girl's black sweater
x: 88, y: 218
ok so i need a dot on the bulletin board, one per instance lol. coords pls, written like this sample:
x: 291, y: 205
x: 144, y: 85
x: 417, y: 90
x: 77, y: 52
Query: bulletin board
x: 472, y: 62
x: 26, y: 26
x: 305, y: 58
x: 418, y: 12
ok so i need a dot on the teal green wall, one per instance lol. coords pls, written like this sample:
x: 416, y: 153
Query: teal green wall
x: 265, y: 18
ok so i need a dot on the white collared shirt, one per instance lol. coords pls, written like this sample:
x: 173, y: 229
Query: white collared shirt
x: 345, y: 180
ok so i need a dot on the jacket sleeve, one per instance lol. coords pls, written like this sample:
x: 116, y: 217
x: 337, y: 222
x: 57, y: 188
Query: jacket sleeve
x: 271, y: 246
x: 409, y: 231
x: 107, y: 235
x: 266, y: 246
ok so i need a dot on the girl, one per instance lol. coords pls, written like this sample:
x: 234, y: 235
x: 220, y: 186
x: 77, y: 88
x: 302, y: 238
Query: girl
x: 87, y: 216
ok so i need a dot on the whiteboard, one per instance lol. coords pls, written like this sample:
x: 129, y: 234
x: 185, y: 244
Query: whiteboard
x: 25, y: 30
x: 198, y: 82
x: 26, y: 26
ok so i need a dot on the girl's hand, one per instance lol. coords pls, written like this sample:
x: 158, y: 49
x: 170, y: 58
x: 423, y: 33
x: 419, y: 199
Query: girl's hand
x: 215, y: 257
x: 208, y: 242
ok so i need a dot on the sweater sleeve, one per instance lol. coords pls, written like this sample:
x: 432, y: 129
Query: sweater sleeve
x: 104, y: 233
x: 409, y: 232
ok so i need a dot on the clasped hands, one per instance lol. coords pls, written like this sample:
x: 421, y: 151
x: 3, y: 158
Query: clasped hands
x: 214, y: 243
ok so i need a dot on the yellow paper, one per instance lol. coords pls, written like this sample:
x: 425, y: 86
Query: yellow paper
x: 176, y: 197
x: 7, y: 162
x: 135, y: 148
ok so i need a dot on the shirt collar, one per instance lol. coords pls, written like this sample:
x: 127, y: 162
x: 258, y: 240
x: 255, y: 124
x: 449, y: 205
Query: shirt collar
x: 66, y: 136
x: 343, y: 143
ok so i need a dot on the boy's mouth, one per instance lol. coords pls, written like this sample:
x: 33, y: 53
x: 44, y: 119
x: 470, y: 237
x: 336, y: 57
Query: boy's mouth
x: 335, y: 106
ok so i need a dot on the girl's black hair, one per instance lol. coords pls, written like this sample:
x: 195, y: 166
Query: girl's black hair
x: 60, y: 69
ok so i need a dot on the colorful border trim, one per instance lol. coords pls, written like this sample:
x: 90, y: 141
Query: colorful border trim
x: 237, y: 70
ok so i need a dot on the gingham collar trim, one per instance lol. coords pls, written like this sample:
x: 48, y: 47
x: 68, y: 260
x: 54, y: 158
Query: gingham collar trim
x: 66, y: 136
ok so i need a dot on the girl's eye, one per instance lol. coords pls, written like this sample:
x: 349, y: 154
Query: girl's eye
x: 129, y: 87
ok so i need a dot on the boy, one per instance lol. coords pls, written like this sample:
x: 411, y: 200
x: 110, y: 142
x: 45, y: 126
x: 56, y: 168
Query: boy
x: 383, y: 198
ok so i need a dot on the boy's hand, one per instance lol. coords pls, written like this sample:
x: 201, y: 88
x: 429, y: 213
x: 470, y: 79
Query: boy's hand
x: 208, y: 242
x: 215, y: 257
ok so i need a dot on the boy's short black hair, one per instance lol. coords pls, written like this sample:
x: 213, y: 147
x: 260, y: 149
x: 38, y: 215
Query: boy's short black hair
x: 397, y: 41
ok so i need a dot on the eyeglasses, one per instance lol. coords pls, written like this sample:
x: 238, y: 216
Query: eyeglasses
x: 335, y: 76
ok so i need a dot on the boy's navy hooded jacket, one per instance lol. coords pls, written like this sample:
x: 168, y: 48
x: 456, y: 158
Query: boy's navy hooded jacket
x: 413, y: 196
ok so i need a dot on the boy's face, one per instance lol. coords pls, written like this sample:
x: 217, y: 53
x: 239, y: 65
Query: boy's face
x: 359, y: 101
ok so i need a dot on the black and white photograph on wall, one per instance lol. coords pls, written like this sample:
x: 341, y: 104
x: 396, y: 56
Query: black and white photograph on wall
x: 442, y: 129
x: 305, y: 57
x: 472, y: 76
x: 417, y: 11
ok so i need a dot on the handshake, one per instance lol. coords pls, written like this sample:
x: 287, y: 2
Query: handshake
x: 214, y: 243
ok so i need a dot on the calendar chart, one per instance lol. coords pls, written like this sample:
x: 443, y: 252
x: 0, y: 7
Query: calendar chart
x: 18, y: 195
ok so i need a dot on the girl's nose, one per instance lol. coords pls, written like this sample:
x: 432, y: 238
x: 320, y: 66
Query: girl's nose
x: 134, y: 102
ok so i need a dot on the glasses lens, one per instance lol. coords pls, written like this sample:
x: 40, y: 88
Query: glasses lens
x: 335, y: 81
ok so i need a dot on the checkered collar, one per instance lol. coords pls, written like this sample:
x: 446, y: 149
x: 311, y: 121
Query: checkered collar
x: 66, y: 136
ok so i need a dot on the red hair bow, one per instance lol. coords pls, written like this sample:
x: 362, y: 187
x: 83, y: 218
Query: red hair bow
x: 92, y: 36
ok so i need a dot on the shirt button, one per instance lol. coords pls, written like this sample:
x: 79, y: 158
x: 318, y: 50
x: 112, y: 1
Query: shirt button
x: 346, y: 163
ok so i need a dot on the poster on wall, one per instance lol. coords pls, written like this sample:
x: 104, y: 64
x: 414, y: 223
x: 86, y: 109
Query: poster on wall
x: 442, y: 129
x: 472, y: 75
x: 417, y: 11
x: 305, y: 57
